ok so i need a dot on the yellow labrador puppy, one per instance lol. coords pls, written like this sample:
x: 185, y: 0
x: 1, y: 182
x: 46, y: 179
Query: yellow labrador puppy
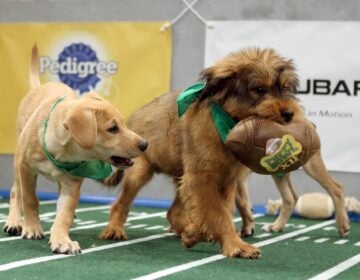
x: 64, y: 138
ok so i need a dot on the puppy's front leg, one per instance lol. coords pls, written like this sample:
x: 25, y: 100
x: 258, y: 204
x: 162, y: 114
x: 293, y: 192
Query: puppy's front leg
x: 289, y: 198
x: 210, y: 217
x: 135, y: 178
x: 32, y: 228
x: 13, y: 225
x: 60, y: 241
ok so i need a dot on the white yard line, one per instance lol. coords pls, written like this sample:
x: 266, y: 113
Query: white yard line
x: 80, y: 210
x: 263, y: 235
x: 321, y: 240
x: 157, y: 214
x: 155, y: 227
x: 303, y: 238
x: 189, y: 265
x: 341, y: 241
x: 43, y: 202
x: 337, y: 269
x: 86, y: 222
x: 138, y: 226
x: 21, y: 263
x: 254, y: 216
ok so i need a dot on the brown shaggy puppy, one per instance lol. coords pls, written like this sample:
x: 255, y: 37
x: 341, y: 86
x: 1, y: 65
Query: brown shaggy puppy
x: 250, y: 82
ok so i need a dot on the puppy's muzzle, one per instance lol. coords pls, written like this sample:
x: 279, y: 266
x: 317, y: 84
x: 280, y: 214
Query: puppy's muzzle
x: 287, y: 115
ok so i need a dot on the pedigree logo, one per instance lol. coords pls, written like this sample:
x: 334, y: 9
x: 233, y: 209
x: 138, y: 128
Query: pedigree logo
x: 79, y: 67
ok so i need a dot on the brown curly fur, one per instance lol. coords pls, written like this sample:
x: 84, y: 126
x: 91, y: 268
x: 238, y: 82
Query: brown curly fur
x: 249, y: 82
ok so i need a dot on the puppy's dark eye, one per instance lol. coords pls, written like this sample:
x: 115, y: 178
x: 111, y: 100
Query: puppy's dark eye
x: 287, y: 90
x: 113, y: 129
x: 262, y: 90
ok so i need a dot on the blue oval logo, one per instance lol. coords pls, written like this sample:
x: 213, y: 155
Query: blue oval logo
x: 78, y: 67
x: 84, y: 78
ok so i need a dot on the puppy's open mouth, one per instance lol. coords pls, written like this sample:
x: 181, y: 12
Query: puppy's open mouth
x: 120, y: 161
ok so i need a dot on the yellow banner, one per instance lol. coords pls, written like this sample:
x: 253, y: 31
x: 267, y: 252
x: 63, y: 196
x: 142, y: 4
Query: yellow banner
x: 129, y: 63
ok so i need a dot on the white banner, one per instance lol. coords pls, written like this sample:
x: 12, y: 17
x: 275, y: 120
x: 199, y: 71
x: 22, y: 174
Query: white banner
x: 327, y: 56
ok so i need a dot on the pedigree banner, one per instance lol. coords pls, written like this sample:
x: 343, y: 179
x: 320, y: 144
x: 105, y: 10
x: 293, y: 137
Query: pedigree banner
x: 129, y: 63
x: 326, y: 54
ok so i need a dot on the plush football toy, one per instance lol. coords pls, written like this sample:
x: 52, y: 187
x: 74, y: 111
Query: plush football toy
x: 267, y: 147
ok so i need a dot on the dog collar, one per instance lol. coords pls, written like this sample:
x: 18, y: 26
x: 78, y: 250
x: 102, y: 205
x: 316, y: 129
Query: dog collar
x: 222, y: 120
x: 94, y: 169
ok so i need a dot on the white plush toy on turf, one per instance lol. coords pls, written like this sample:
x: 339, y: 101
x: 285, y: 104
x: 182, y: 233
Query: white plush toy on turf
x: 314, y: 206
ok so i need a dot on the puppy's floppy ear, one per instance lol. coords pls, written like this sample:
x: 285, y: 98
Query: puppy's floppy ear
x: 81, y: 123
x: 218, y: 81
x: 212, y: 84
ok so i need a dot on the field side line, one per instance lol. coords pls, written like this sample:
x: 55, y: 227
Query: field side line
x: 337, y: 269
x: 21, y: 263
x: 186, y: 266
x: 93, y: 225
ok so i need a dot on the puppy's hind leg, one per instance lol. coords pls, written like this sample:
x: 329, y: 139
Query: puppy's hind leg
x: 289, y: 198
x: 31, y: 228
x: 243, y: 204
x: 135, y: 177
x: 316, y: 169
x: 60, y: 241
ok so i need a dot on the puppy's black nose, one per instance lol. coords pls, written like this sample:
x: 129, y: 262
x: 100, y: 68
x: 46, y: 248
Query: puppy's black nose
x: 143, y: 145
x: 287, y: 115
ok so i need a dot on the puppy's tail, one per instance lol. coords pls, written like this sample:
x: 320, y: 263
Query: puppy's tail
x: 114, y: 179
x: 34, y: 68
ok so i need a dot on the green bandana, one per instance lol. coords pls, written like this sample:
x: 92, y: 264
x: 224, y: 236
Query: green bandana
x: 222, y: 120
x: 94, y: 169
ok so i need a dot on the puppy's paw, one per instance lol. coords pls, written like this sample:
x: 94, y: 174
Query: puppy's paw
x: 272, y: 228
x: 172, y: 230
x: 189, y: 241
x: 67, y: 247
x: 247, y: 231
x: 240, y: 249
x: 343, y: 228
x: 190, y: 236
x: 12, y: 228
x: 32, y: 232
x: 113, y: 233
